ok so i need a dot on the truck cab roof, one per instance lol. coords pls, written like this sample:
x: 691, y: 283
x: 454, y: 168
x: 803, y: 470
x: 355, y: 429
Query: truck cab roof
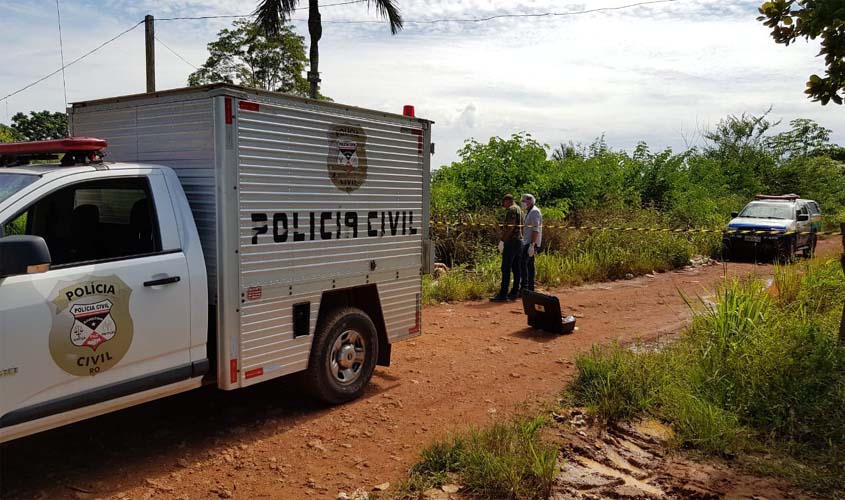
x: 57, y: 170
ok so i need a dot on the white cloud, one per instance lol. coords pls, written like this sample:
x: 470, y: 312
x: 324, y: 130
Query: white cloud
x: 658, y: 73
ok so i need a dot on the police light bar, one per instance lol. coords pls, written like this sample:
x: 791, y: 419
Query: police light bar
x: 76, y: 150
x: 786, y: 197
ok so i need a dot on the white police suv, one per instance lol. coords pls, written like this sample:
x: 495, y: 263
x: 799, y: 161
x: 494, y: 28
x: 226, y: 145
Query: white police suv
x: 780, y: 225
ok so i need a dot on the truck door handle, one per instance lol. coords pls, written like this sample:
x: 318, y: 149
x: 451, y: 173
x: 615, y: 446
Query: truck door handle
x: 163, y: 281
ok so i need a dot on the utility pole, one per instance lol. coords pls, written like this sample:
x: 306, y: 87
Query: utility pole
x: 149, y: 37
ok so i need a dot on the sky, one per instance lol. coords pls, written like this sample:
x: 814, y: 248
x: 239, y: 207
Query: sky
x: 661, y: 73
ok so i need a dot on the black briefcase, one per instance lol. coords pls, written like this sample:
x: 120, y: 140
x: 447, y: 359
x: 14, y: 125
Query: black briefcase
x: 544, y: 313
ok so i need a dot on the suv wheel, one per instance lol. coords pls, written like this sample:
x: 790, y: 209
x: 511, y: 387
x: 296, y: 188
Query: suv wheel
x: 810, y: 250
x: 786, y: 250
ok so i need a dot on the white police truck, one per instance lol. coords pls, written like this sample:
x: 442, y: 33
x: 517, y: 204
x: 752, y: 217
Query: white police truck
x: 209, y: 235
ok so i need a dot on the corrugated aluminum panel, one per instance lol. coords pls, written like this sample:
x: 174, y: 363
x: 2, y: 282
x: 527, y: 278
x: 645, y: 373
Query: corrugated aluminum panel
x: 278, y: 154
x: 301, y: 233
x: 178, y: 134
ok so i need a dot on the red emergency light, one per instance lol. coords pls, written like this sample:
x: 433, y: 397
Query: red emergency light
x: 76, y: 151
x: 55, y: 146
x: 408, y: 110
x: 784, y: 197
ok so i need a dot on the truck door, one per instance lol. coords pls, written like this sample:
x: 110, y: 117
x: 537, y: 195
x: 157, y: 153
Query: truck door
x: 111, y: 316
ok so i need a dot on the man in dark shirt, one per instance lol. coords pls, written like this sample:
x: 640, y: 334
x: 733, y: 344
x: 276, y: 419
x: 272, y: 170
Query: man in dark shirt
x: 511, y: 248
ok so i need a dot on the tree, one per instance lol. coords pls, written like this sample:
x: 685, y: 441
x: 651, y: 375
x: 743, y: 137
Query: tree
x: 40, y: 125
x: 8, y: 134
x: 811, y: 19
x: 804, y: 138
x: 247, y: 56
x: 272, y: 14
x: 738, y: 144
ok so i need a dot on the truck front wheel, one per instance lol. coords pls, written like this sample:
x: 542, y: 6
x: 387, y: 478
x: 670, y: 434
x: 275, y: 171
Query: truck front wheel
x: 343, y: 356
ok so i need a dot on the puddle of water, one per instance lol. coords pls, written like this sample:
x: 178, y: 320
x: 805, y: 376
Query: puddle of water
x: 629, y: 480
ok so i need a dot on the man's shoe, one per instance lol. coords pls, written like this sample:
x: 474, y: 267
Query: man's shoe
x: 499, y: 298
x: 513, y: 296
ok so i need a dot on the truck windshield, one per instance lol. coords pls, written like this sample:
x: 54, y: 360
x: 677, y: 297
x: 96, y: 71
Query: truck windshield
x: 768, y: 211
x: 12, y: 183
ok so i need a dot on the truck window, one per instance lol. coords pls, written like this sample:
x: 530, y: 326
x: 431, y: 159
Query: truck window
x: 94, y: 221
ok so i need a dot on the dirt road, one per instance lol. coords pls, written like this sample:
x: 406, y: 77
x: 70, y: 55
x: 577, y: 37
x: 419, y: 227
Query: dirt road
x: 475, y: 362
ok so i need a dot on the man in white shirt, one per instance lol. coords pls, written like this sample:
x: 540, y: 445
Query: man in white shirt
x: 532, y: 238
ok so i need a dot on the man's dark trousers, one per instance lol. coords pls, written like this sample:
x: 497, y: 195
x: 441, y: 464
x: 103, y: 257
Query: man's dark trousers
x: 511, y: 263
x: 527, y: 269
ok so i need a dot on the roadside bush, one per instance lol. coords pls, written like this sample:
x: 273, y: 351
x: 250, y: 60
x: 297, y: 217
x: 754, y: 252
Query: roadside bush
x: 758, y: 367
x: 505, y: 460
x: 614, y: 383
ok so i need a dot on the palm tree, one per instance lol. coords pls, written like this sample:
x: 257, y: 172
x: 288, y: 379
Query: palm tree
x: 271, y: 15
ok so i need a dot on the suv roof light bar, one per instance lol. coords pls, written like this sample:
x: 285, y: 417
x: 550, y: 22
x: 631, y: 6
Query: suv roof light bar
x: 784, y: 197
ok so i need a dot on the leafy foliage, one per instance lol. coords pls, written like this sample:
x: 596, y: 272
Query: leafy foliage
x: 812, y: 19
x: 271, y: 16
x: 246, y: 56
x: 697, y: 187
x: 39, y: 125
x: 8, y: 134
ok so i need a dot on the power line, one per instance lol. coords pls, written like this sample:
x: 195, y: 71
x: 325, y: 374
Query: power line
x: 189, y: 63
x: 349, y: 2
x: 430, y: 21
x: 83, y: 56
x: 503, y: 16
x: 445, y: 20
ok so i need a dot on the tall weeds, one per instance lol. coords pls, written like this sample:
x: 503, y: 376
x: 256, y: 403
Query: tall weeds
x: 758, y: 367
x: 569, y: 257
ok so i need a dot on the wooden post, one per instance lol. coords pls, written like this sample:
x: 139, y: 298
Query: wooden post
x: 149, y: 37
x: 842, y: 260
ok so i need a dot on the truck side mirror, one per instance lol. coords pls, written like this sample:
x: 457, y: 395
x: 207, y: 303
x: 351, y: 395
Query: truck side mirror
x: 734, y: 214
x: 803, y: 217
x: 23, y: 255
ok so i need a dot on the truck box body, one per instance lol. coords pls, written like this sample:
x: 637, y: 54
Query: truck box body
x: 293, y: 199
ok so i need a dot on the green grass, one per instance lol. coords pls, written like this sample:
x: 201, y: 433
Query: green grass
x: 760, y: 368
x: 571, y: 258
x: 510, y: 459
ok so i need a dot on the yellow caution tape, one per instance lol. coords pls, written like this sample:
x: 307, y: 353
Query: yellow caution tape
x: 641, y: 229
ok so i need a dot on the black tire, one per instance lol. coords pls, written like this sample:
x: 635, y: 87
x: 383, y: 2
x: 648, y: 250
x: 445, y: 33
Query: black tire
x: 786, y: 250
x: 327, y: 365
x: 726, y: 250
x: 810, y: 251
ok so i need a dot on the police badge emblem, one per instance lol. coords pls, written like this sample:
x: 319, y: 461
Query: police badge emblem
x: 347, y: 160
x: 92, y: 328
x: 93, y: 324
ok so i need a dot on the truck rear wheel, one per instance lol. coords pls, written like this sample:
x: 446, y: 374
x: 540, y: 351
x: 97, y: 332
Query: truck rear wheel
x: 343, y: 356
